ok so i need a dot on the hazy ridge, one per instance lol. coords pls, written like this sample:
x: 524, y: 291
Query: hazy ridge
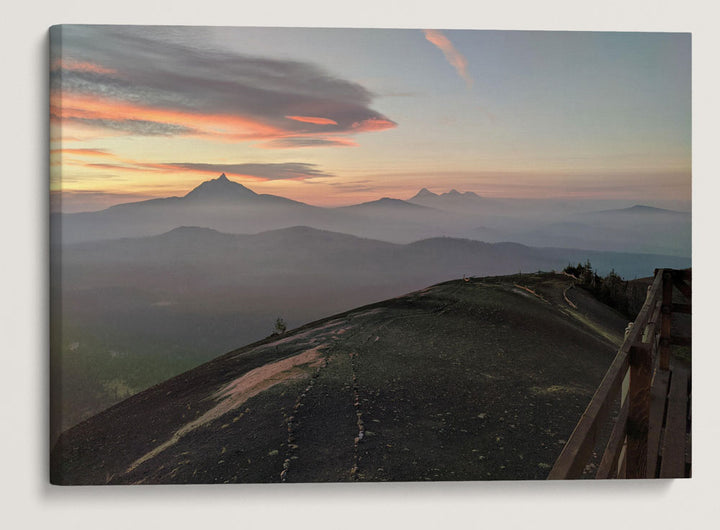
x: 230, y: 207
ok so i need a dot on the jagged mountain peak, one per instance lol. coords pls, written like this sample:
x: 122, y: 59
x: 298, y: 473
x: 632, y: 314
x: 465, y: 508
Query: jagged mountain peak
x: 220, y: 188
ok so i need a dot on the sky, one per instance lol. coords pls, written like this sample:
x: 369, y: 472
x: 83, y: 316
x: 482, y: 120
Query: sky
x: 341, y: 116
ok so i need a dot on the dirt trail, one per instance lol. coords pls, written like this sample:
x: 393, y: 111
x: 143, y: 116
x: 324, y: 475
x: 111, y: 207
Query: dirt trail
x: 565, y: 297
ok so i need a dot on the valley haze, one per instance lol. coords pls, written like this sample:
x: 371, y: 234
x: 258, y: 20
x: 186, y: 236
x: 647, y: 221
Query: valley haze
x: 231, y: 207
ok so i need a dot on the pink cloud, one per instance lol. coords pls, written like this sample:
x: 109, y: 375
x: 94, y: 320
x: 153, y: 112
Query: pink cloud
x: 81, y: 151
x: 454, y: 57
x: 313, y: 119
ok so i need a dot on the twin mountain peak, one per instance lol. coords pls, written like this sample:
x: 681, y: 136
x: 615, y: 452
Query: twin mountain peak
x: 427, y: 194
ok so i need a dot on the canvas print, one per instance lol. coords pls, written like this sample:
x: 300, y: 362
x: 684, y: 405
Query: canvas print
x: 335, y: 255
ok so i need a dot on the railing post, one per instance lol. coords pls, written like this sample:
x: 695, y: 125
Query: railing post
x: 639, y: 410
x: 666, y: 311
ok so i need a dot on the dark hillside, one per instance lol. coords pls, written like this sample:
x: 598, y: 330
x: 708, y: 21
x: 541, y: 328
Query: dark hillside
x: 483, y: 379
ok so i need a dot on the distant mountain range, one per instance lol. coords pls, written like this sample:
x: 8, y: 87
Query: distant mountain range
x: 640, y: 209
x: 230, y: 207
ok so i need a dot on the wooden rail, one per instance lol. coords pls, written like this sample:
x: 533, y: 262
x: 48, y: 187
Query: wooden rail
x: 639, y: 382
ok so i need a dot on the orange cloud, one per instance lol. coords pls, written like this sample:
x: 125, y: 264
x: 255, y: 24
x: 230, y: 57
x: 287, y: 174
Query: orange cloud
x: 94, y: 111
x: 89, y: 108
x: 313, y: 119
x: 83, y: 152
x: 121, y: 167
x: 454, y: 57
x: 80, y: 66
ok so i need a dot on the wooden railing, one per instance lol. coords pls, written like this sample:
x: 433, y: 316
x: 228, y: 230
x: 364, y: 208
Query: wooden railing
x: 626, y: 388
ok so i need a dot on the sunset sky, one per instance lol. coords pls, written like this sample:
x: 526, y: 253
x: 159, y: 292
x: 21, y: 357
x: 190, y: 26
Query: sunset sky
x: 338, y: 116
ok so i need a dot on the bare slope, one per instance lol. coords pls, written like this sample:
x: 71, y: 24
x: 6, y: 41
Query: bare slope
x: 460, y: 381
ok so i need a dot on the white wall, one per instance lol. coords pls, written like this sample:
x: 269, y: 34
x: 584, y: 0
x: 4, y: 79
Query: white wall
x: 28, y: 501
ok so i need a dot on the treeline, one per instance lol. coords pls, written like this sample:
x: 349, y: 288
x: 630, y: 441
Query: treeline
x: 627, y: 297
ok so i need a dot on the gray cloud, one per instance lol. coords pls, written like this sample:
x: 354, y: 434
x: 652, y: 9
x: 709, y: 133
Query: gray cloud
x: 306, y: 142
x: 155, y: 67
x: 139, y: 127
x: 277, y: 171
